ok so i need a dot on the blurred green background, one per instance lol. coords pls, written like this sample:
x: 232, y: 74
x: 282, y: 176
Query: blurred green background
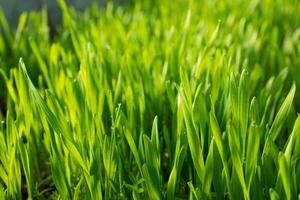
x: 14, y: 8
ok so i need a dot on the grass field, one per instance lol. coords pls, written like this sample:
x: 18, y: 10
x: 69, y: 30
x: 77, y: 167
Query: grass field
x: 152, y: 100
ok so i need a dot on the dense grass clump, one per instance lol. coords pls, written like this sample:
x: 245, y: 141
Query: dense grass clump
x: 152, y: 100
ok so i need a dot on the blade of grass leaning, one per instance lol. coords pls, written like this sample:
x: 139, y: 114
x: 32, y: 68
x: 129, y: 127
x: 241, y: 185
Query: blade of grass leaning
x: 54, y: 122
x: 218, y: 140
x: 282, y: 114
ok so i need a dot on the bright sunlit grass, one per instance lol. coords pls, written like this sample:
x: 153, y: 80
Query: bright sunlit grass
x: 152, y: 100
